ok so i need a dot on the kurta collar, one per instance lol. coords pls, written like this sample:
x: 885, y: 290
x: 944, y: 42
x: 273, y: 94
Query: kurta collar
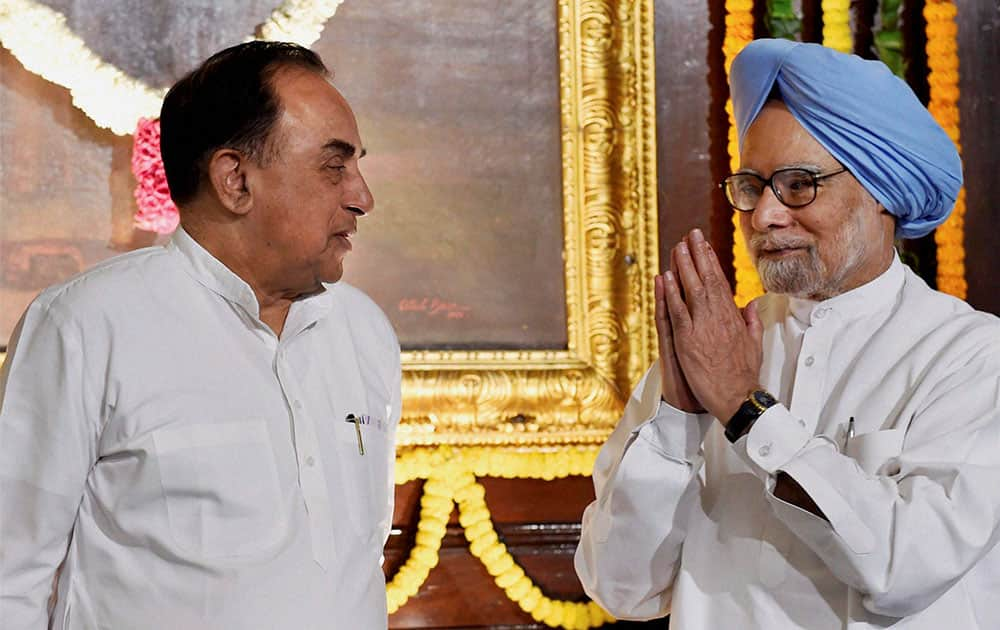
x: 867, y: 299
x: 214, y: 275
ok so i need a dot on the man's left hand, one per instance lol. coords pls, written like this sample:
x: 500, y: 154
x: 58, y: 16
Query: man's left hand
x: 717, y: 346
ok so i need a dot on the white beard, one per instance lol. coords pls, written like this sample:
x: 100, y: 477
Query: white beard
x: 804, y: 274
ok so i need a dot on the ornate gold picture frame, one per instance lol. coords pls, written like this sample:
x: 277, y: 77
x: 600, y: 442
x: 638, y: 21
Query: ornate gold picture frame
x: 576, y: 395
x: 571, y: 395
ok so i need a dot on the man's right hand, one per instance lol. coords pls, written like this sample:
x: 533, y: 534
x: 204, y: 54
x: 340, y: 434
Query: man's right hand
x: 673, y: 386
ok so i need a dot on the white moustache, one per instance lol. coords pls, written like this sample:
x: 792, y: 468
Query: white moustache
x: 762, y: 242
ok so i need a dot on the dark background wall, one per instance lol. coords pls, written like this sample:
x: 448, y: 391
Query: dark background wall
x: 979, y: 55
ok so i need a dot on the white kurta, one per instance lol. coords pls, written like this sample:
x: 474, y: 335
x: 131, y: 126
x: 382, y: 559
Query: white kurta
x: 685, y: 522
x: 194, y: 470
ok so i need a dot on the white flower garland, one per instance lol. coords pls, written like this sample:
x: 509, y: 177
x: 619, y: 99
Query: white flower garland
x: 41, y: 41
x: 299, y: 21
x: 39, y: 38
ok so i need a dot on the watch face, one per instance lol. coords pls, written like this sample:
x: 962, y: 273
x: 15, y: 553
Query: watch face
x: 764, y: 399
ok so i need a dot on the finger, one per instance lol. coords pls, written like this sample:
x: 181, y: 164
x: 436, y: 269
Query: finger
x: 707, y: 264
x: 694, y: 289
x: 660, y: 308
x: 680, y: 319
x: 665, y: 334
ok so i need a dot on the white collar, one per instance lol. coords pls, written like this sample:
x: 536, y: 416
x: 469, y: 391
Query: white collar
x: 217, y: 277
x: 871, y: 297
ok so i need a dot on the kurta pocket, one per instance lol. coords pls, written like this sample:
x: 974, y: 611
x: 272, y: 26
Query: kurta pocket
x: 220, y: 487
x: 368, y: 477
x: 875, y: 449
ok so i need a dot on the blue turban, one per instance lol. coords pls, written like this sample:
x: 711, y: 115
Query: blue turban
x: 866, y: 117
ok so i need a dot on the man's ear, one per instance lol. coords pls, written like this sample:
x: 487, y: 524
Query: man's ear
x: 227, y: 175
x: 889, y: 221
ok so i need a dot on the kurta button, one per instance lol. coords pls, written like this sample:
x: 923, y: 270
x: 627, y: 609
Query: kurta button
x: 809, y: 361
x: 765, y: 450
x: 802, y: 423
x: 298, y: 404
x: 821, y: 313
x: 310, y: 461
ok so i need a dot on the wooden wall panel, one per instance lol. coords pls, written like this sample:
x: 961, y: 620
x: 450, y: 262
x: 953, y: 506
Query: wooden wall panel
x: 979, y: 56
x: 690, y: 124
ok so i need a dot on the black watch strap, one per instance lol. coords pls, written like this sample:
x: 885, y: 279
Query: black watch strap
x: 757, y: 402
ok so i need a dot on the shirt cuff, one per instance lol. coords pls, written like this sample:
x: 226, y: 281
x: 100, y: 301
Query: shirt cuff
x: 775, y: 438
x: 677, y: 434
x: 811, y: 470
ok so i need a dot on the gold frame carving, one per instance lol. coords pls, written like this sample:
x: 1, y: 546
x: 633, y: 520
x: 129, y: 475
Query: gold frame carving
x: 572, y: 396
x: 545, y: 398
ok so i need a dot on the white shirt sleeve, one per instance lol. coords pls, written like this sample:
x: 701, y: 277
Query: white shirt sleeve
x: 49, y: 423
x: 646, y: 481
x: 910, y: 510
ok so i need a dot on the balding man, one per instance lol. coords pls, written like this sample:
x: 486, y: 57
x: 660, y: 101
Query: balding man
x: 830, y: 456
x: 201, y: 435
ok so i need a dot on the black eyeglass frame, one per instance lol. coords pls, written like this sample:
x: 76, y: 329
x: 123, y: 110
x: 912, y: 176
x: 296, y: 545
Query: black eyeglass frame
x: 815, y: 178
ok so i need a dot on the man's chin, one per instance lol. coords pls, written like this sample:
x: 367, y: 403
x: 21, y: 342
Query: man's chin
x: 331, y: 272
x: 333, y: 278
x: 785, y: 279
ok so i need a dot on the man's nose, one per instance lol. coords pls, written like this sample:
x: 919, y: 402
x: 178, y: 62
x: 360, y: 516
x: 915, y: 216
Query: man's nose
x: 769, y: 212
x: 359, y: 199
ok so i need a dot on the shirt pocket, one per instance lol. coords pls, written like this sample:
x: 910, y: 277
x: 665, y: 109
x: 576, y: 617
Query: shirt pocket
x: 220, y: 487
x: 367, y: 479
x: 873, y: 450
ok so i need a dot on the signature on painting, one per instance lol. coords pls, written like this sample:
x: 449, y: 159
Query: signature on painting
x: 433, y: 307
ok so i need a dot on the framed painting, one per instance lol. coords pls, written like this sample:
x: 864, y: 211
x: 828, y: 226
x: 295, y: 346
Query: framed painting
x: 511, y: 156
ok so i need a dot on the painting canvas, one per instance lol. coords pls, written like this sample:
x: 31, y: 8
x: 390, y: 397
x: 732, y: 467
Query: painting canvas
x: 458, y: 104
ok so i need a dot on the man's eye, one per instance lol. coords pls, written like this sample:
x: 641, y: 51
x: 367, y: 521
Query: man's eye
x: 798, y: 184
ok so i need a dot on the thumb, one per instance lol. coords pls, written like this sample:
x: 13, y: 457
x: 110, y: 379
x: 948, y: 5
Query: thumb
x: 752, y: 319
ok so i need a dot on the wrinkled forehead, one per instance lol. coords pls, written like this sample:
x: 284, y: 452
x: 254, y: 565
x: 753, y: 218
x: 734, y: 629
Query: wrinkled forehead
x: 775, y: 139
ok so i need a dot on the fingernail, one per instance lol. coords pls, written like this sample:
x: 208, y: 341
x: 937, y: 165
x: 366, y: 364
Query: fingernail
x: 682, y: 247
x: 668, y: 276
x: 697, y: 236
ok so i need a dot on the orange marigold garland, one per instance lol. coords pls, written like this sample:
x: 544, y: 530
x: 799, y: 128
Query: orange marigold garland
x: 739, y: 33
x: 942, y: 60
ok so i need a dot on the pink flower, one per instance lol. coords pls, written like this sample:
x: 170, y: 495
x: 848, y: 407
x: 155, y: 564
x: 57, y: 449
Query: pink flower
x: 156, y: 210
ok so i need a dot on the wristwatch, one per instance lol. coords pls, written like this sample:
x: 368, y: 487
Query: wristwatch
x: 757, y: 402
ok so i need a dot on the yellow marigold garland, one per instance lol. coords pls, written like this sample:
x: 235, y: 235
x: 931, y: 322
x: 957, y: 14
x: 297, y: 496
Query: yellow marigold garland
x: 435, y: 508
x: 739, y: 33
x: 451, y: 477
x: 942, y: 60
x: 837, y: 26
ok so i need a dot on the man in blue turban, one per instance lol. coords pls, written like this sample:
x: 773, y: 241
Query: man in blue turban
x: 827, y: 457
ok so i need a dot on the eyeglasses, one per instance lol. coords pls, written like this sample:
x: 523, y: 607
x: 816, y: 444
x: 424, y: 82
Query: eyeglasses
x: 794, y: 187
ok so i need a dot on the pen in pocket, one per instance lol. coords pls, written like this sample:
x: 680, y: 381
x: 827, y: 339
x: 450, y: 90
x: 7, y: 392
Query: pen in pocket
x: 357, y: 428
x: 848, y: 433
